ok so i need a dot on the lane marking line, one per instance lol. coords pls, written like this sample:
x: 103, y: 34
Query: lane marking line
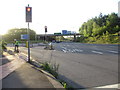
x: 64, y: 51
x: 97, y: 52
x: 113, y: 51
x: 78, y: 50
x: 110, y: 86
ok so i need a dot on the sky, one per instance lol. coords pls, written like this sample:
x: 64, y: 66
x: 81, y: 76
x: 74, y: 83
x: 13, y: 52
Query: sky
x: 57, y: 15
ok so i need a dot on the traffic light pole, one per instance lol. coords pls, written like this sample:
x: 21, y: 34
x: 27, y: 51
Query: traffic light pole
x: 45, y: 37
x: 28, y: 43
x: 28, y: 20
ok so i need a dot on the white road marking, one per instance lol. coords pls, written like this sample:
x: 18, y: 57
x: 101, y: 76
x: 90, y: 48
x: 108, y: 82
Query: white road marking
x: 71, y: 50
x: 78, y: 50
x: 113, y: 51
x: 64, y: 51
x: 111, y: 46
x: 97, y: 52
x: 110, y: 86
x: 81, y: 50
x: 63, y: 47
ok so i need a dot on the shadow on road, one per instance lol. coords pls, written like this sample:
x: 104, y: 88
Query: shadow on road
x: 70, y: 82
x: 4, y: 60
x: 16, y: 81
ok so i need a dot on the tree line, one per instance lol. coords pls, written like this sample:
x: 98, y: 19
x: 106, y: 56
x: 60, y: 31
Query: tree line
x: 16, y: 34
x: 104, y: 28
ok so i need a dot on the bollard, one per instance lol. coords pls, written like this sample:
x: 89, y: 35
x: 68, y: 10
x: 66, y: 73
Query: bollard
x: 26, y: 44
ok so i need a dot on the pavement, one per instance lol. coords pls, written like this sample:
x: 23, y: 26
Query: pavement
x: 15, y: 72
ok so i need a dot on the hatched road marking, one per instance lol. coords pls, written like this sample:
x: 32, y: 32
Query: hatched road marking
x: 97, y: 52
x: 113, y: 51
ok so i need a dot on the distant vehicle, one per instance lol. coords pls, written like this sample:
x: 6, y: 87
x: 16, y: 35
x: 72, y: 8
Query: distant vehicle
x: 57, y: 41
x: 53, y: 41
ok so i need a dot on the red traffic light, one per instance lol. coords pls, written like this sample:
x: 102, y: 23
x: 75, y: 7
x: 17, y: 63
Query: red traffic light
x: 28, y: 14
x: 28, y: 9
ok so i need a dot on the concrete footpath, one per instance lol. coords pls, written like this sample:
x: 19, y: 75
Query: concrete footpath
x: 15, y: 72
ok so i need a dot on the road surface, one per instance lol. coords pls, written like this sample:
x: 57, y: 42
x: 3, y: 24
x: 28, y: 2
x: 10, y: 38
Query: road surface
x: 82, y: 65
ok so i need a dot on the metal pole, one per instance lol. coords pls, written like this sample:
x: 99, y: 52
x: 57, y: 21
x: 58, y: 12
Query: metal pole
x: 45, y: 36
x: 28, y: 43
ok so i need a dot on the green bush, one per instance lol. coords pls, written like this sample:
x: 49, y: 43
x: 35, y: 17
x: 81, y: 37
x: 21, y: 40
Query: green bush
x: 3, y: 46
x: 51, y: 68
x: 103, y: 39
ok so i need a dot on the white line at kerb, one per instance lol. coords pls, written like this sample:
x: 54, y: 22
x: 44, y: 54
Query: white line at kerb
x: 97, y: 52
x: 110, y: 86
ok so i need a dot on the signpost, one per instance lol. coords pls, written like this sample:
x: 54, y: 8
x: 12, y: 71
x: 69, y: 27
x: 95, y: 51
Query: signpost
x: 28, y: 20
x: 119, y: 9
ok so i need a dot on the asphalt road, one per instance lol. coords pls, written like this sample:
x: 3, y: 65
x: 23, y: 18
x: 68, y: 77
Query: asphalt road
x: 82, y: 65
x: 87, y: 48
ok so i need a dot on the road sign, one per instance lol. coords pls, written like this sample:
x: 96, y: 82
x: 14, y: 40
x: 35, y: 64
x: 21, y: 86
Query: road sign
x: 57, y: 33
x: 24, y: 36
x: 28, y: 14
x: 64, y: 32
x: 68, y: 32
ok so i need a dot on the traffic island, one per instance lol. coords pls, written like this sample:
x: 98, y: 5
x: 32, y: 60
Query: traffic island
x: 49, y: 47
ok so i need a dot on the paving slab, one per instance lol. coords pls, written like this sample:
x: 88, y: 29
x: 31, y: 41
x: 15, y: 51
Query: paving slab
x: 26, y: 77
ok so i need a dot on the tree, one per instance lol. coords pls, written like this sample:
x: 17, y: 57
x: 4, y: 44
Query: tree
x: 16, y: 34
x: 101, y: 24
x: 112, y: 21
x: 95, y: 29
x: 100, y: 27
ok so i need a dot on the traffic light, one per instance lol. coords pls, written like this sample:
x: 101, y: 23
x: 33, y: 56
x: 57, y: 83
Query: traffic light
x: 45, y: 29
x: 28, y: 14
